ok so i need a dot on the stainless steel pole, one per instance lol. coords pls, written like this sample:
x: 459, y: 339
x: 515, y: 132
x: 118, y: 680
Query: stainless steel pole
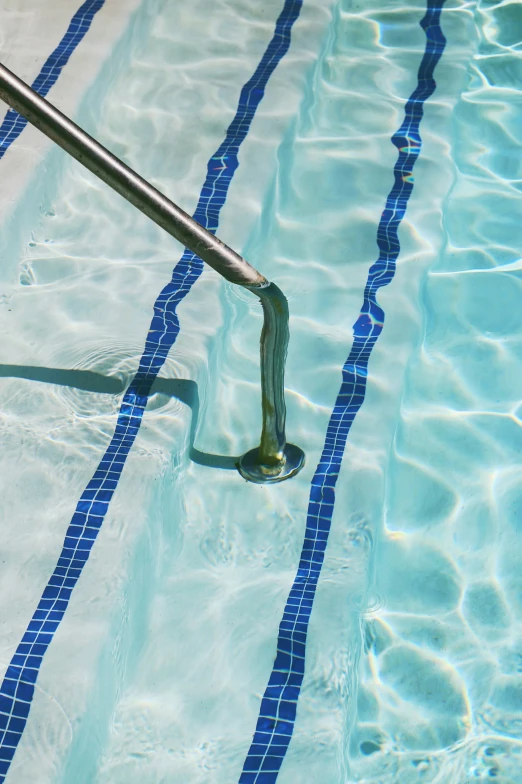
x: 274, y: 460
x: 125, y: 181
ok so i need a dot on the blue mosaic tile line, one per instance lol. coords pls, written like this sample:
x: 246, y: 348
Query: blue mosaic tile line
x: 277, y: 714
x: 14, y: 123
x: 17, y: 689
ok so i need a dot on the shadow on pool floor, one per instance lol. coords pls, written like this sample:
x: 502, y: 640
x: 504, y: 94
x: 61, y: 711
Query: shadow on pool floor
x: 184, y: 390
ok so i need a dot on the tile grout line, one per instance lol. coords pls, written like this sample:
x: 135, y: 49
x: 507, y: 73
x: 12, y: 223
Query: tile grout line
x: 17, y: 688
x: 277, y: 714
x: 13, y: 123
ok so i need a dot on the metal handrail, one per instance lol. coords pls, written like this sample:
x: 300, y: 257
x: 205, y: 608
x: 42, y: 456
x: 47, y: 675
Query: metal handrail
x: 274, y: 459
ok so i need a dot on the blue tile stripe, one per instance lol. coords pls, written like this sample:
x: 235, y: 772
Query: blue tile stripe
x: 17, y: 689
x: 14, y: 123
x: 277, y: 714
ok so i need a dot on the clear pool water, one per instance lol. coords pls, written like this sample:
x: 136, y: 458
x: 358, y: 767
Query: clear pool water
x: 414, y: 649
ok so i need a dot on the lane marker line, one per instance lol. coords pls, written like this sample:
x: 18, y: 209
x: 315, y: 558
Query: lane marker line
x: 13, y: 123
x: 17, y: 689
x: 277, y: 714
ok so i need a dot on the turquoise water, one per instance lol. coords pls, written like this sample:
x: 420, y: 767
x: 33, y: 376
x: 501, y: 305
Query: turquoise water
x: 414, y: 651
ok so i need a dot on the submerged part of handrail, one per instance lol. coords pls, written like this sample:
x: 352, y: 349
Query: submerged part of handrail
x: 274, y: 460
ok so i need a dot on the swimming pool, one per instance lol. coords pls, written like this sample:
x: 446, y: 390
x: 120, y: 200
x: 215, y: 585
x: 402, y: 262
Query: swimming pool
x: 164, y: 667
